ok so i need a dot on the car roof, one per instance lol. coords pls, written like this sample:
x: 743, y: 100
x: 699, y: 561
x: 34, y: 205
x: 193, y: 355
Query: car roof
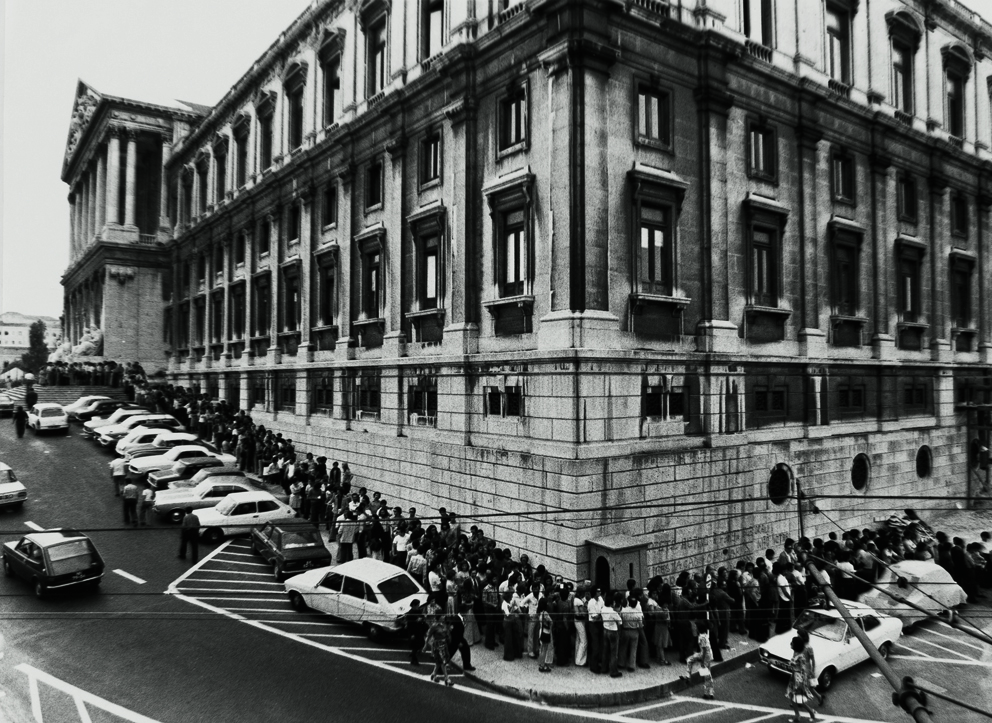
x: 47, y: 538
x: 857, y: 610
x: 47, y: 405
x: 5, y: 466
x: 223, y: 470
x: 253, y: 496
x: 368, y: 569
x: 212, y: 461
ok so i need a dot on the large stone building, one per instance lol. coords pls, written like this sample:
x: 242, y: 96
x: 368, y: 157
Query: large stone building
x: 615, y: 277
x: 15, y: 334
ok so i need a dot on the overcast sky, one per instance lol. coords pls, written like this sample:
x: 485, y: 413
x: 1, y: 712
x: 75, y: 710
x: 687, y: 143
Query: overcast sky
x: 151, y: 50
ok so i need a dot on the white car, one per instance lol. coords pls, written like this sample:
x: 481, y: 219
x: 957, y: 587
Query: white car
x: 111, y: 434
x: 367, y: 592
x: 82, y: 403
x: 46, y: 416
x: 140, y: 466
x: 92, y: 427
x: 921, y: 577
x: 12, y: 493
x: 141, y: 435
x: 834, y: 646
x: 167, y: 439
x: 241, y: 511
x: 173, y: 502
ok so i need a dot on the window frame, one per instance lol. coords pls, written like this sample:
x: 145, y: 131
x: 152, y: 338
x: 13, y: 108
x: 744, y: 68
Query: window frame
x: 851, y: 241
x: 321, y: 383
x: 284, y: 391
x: 237, y: 307
x: 220, y: 170
x: 377, y: 182
x: 325, y: 303
x: 427, y: 10
x: 430, y: 159
x: 766, y: 22
x: 959, y: 214
x: 241, y: 131
x: 903, y: 74
x: 376, y: 55
x: 842, y: 176
x: 760, y: 127
x: 265, y: 140
x: 839, y: 40
x: 502, y: 392
x: 657, y: 190
x: 367, y: 392
x: 422, y: 398
x: 907, y: 189
x: 290, y: 314
x: 909, y: 307
x: 329, y: 206
x: 955, y: 99
x: 259, y: 312
x: 962, y: 306
x: 507, y: 144
x: 644, y: 88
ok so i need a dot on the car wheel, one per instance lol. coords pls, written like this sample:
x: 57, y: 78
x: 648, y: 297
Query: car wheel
x: 39, y: 589
x: 177, y: 515
x: 213, y: 535
x: 277, y: 571
x: 297, y: 601
x: 374, y: 632
x: 884, y: 649
x: 7, y: 569
x: 827, y: 679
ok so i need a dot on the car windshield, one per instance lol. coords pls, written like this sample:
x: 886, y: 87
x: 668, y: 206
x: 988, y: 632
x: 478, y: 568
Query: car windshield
x: 69, y: 557
x: 396, y: 588
x: 303, y: 538
x: 824, y: 626
x: 225, y: 506
x: 7, y: 475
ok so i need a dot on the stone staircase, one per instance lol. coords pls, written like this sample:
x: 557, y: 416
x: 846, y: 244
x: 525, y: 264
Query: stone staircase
x: 65, y: 395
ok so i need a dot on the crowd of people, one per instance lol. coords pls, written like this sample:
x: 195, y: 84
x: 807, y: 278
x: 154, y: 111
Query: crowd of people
x: 480, y: 593
x: 102, y: 373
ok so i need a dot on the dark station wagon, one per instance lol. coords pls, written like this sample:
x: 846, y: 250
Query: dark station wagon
x: 53, y: 560
x: 290, y: 549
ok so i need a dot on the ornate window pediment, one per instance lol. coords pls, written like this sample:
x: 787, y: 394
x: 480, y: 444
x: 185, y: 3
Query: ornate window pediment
x: 265, y: 102
x: 331, y: 43
x: 370, y: 11
x: 905, y: 26
x: 295, y: 74
x: 957, y: 59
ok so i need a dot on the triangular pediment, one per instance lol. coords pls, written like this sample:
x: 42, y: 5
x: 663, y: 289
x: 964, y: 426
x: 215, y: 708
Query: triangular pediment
x: 83, y: 108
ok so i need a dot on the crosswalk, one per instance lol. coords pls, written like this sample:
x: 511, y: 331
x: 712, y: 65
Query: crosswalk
x: 234, y: 581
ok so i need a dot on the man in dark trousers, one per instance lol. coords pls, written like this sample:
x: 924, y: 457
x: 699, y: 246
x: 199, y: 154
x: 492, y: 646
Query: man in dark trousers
x: 130, y: 493
x: 416, y: 626
x: 189, y: 534
x: 458, y: 643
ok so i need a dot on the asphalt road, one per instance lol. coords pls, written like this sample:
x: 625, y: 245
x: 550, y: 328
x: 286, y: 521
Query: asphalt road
x: 191, y: 657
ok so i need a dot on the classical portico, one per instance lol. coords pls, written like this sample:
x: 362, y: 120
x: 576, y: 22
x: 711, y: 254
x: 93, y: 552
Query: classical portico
x: 119, y: 220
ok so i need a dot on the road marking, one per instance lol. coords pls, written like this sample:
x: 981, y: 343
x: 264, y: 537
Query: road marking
x: 235, y: 572
x: 946, y: 650
x: 949, y: 661
x: 687, y: 716
x: 298, y: 622
x: 242, y: 554
x: 226, y: 589
x: 746, y: 706
x: 173, y: 586
x: 979, y: 648
x: 239, y: 562
x: 763, y: 717
x: 248, y: 599
x: 80, y: 696
x: 918, y: 652
x: 243, y: 582
x: 670, y: 701
x: 257, y: 610
x: 332, y: 635
x: 129, y: 576
x: 34, y: 526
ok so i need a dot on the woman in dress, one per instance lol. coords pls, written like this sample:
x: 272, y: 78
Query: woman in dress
x: 659, y: 603
x: 544, y: 622
x: 798, y: 692
x: 437, y: 638
x: 704, y: 658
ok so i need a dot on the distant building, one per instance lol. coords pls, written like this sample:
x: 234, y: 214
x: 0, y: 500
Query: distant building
x: 628, y: 273
x: 14, y: 337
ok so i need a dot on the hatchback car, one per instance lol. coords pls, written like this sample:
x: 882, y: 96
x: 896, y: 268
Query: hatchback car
x: 290, y: 549
x: 103, y: 408
x: 54, y: 560
x: 240, y: 512
x: 47, y: 417
x: 183, y: 469
x: 834, y: 646
x: 173, y: 503
x: 367, y: 592
x: 83, y: 403
x: 225, y: 472
x: 924, y: 583
x: 12, y: 493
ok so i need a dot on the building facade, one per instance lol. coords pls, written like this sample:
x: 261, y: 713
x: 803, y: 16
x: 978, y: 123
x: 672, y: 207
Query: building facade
x: 616, y: 278
x: 15, y: 337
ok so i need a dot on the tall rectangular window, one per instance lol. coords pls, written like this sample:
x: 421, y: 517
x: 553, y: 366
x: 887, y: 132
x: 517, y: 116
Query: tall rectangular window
x: 372, y: 285
x: 959, y: 214
x: 906, y: 197
x: 427, y: 275
x: 373, y: 185
x: 295, y: 118
x: 200, y: 321
x: 955, y: 104
x: 202, y: 187
x: 263, y: 307
x: 654, y: 264
x: 758, y: 21
x: 653, y: 115
x: 187, y: 205
x: 236, y: 328
x: 375, y: 59
x: 322, y: 389
x: 368, y: 397
x: 291, y: 300
x: 764, y: 267
x: 265, y: 141
x: 264, y: 236
x: 220, y: 172
x: 241, y: 149
x: 239, y: 250
x: 432, y: 28
x: 838, y: 44
x: 217, y: 317
x: 329, y: 205
x: 513, y: 253
x: 293, y: 223
x: 846, y: 274
x: 762, y: 151
x: 422, y: 401
x: 332, y: 86
x: 909, y: 269
x: 842, y: 176
x: 902, y: 77
x: 430, y: 158
x: 326, y: 294
x: 961, y: 295
x: 512, y: 120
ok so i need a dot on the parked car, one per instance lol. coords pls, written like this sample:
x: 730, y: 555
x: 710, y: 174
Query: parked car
x: 7, y: 405
x: 225, y: 472
x: 48, y: 416
x: 166, y: 442
x: 12, y: 492
x: 142, y: 435
x: 290, y: 549
x: 926, y: 584
x: 54, y: 559
x: 181, y: 470
x: 370, y: 593
x: 172, y: 503
x: 83, y: 403
x: 111, y: 434
x: 238, y: 513
x: 93, y: 427
x: 104, y: 408
x: 139, y: 467
x: 834, y: 646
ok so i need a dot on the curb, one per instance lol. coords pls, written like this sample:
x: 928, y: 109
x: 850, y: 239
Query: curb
x: 612, y: 699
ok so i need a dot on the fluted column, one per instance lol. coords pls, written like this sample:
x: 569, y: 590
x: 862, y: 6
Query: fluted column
x: 164, y: 224
x: 77, y: 221
x: 90, y: 216
x: 101, y: 192
x: 130, y: 185
x: 113, y: 215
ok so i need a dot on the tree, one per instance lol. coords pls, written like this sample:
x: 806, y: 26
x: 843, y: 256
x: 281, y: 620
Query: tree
x: 37, y: 354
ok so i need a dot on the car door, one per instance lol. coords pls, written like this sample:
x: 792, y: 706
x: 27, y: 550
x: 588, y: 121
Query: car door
x: 242, y: 518
x: 852, y: 652
x: 325, y: 594
x: 351, y: 603
x: 29, y: 560
x: 262, y: 537
x: 374, y: 611
x: 873, y: 626
x: 270, y: 511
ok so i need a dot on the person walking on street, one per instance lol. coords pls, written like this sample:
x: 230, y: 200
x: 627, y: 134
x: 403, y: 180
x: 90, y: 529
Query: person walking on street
x: 416, y: 627
x: 20, y: 421
x: 146, y: 501
x: 437, y: 638
x: 118, y: 475
x: 457, y: 642
x: 798, y: 692
x: 810, y: 665
x: 704, y: 658
x: 130, y: 495
x: 189, y: 534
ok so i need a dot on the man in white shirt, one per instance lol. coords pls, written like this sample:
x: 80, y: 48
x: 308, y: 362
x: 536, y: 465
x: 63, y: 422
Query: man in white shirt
x: 529, y: 606
x: 580, y: 613
x: 611, y: 638
x: 594, y: 606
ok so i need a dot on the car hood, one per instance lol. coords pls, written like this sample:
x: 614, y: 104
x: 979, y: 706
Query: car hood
x: 171, y: 497
x: 209, y: 517
x: 157, y: 461
x: 305, y: 581
x: 8, y: 487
